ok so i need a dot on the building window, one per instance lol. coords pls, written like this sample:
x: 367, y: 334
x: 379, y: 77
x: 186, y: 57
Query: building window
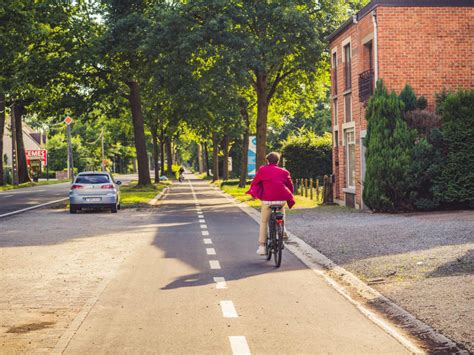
x: 334, y: 74
x: 348, y: 108
x: 347, y: 66
x: 334, y: 110
x: 336, y: 139
x: 350, y: 158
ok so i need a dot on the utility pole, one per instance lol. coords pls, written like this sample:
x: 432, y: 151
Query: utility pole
x: 14, y: 147
x: 103, y: 153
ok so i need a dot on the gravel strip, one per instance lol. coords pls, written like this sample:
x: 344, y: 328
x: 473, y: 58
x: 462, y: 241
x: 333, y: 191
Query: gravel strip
x: 424, y: 262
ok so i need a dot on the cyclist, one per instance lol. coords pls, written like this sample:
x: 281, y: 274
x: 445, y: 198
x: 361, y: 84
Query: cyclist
x: 273, y: 186
x: 181, y: 172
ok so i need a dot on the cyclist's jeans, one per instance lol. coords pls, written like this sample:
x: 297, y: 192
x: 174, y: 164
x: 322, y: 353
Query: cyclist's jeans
x: 265, y: 217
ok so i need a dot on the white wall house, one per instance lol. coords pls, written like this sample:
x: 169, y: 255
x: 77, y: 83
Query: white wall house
x: 31, y: 140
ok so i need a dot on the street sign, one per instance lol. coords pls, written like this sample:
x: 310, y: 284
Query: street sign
x: 252, y: 155
x: 36, y: 154
x: 68, y: 120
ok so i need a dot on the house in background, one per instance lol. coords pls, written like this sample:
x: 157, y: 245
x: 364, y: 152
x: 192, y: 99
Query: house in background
x: 428, y: 44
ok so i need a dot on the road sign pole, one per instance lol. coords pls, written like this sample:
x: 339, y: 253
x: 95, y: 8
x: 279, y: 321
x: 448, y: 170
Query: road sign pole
x: 103, y: 153
x: 14, y: 147
x: 70, y: 157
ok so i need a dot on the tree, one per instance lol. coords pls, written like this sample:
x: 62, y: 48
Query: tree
x: 272, y: 41
x: 389, y: 151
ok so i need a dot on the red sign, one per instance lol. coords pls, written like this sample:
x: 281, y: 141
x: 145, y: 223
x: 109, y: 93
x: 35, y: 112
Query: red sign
x: 68, y: 120
x: 37, y: 154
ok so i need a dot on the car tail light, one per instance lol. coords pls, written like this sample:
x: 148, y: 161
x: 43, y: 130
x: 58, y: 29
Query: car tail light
x: 108, y: 186
x: 75, y: 186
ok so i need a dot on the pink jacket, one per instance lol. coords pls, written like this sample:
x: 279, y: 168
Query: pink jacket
x: 272, y: 184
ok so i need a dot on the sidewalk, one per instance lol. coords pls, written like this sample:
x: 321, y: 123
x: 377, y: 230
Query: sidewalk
x: 423, y: 262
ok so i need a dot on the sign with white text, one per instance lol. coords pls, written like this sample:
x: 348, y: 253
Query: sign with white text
x: 252, y: 156
x: 37, y: 154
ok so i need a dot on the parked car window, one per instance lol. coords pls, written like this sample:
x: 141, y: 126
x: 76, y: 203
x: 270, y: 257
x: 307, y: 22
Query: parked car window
x: 92, y: 179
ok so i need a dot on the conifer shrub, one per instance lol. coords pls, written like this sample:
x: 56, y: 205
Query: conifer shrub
x: 407, y: 95
x: 454, y: 185
x: 389, y: 145
x: 421, y: 103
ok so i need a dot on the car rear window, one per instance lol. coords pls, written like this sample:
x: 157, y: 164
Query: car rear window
x: 92, y: 179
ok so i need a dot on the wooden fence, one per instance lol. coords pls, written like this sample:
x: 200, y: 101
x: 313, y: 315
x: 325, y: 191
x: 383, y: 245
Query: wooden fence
x: 311, y: 188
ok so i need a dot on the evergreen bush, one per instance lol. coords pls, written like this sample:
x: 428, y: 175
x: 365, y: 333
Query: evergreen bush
x: 454, y: 185
x: 389, y: 152
x: 307, y: 155
x: 421, y: 103
x: 407, y: 95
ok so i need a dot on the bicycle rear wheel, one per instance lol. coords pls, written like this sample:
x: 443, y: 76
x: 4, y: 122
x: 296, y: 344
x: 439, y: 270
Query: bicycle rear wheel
x: 270, y: 240
x: 278, y: 244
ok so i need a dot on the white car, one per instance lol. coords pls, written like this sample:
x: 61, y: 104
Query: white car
x: 94, y: 190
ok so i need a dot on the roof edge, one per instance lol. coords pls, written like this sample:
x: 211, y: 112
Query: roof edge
x: 397, y: 3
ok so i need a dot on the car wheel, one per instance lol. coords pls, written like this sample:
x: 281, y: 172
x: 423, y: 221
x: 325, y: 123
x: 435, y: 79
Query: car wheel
x: 72, y: 209
x: 114, y: 209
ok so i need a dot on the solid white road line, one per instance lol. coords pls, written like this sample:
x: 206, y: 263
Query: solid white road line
x: 211, y: 251
x: 205, y: 233
x: 203, y: 226
x: 207, y: 241
x: 214, y: 264
x: 239, y: 345
x: 32, y: 207
x: 228, y: 309
x: 220, y: 282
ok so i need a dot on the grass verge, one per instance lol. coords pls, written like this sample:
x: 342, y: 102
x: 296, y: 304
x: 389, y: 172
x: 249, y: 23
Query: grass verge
x: 133, y: 195
x: 31, y: 184
x: 232, y: 188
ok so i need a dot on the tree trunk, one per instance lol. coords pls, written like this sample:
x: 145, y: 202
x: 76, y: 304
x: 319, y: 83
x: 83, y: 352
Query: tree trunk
x: 139, y: 132
x: 2, y: 128
x: 200, y: 159
x: 215, y: 157
x: 262, y: 115
x: 162, y: 152
x: 22, y: 167
x: 206, y: 159
x: 154, y: 134
x: 225, y: 165
x: 245, y: 146
x: 169, y: 156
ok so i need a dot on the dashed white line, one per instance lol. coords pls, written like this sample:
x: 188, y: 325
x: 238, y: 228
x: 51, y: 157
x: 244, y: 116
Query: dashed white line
x: 207, y: 241
x: 214, y: 264
x: 239, y: 345
x: 203, y: 226
x: 205, y: 233
x: 220, y: 282
x: 202, y: 220
x: 210, y: 251
x: 228, y: 309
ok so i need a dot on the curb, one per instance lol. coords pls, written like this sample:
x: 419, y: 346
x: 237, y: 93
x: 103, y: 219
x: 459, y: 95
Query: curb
x: 158, y: 197
x: 348, y: 285
x: 32, y: 208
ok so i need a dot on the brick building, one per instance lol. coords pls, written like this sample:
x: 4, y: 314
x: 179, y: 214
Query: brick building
x: 426, y: 43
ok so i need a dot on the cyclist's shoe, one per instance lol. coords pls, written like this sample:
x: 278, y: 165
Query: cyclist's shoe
x: 261, y: 250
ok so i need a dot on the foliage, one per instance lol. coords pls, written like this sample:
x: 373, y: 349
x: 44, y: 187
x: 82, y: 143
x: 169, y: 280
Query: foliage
x: 421, y: 103
x: 408, y: 97
x: 454, y: 184
x: 133, y: 195
x: 307, y: 155
x: 388, y: 156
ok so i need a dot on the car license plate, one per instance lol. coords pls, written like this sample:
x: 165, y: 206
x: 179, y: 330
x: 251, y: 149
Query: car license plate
x: 93, y: 199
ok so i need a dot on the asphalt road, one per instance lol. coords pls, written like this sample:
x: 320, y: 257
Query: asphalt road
x: 19, y: 199
x: 200, y: 288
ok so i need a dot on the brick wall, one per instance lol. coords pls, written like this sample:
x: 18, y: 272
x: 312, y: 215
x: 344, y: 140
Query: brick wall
x: 431, y: 48
x: 356, y: 33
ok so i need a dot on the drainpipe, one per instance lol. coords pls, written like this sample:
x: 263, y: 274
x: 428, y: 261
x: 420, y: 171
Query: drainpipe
x: 376, y: 51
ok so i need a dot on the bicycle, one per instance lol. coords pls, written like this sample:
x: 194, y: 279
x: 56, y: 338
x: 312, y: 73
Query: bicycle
x: 276, y: 227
